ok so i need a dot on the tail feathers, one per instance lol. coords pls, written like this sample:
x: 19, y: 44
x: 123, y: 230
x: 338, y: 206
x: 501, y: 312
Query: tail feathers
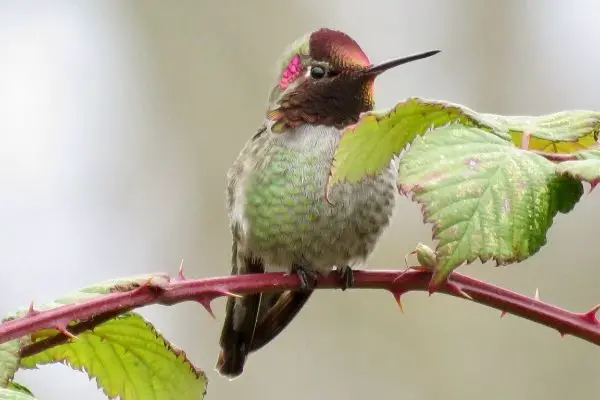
x: 253, y: 320
x: 279, y: 313
x: 236, y: 345
x: 237, y: 334
x: 241, y: 315
x: 232, y: 357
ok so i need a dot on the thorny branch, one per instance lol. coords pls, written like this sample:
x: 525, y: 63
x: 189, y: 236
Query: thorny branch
x: 168, y: 291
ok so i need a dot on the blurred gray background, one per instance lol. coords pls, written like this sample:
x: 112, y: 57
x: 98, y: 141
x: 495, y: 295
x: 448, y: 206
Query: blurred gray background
x: 119, y: 119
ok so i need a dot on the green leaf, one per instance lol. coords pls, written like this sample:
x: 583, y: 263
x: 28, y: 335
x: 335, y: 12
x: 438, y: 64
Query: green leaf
x: 485, y: 198
x: 130, y: 359
x: 11, y: 394
x: 584, y: 170
x: 567, y: 126
x: 17, y: 386
x: 126, y: 355
x: 9, y: 360
x: 368, y: 146
x: 562, y: 132
x: 589, y: 154
x: 88, y: 292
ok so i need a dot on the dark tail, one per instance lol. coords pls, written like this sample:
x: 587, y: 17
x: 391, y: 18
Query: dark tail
x: 241, y: 315
x: 280, y: 312
x: 231, y: 364
x: 274, y: 314
x: 253, y: 320
x: 234, y: 350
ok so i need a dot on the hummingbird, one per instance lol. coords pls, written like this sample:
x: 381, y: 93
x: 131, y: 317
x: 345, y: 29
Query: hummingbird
x: 279, y: 216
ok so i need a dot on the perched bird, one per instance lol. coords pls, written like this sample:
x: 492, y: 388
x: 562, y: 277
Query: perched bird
x: 276, y: 197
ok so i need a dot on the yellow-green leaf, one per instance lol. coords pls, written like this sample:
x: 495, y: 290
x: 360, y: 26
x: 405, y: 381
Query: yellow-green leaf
x: 561, y: 126
x: 126, y: 355
x: 562, y: 132
x: 9, y: 360
x: 130, y: 359
x: 13, y: 394
x: 368, y: 146
x: 586, y: 170
x: 485, y: 198
x: 19, y: 388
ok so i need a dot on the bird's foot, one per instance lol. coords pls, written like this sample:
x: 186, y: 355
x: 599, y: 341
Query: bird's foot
x: 308, y: 278
x: 347, y: 275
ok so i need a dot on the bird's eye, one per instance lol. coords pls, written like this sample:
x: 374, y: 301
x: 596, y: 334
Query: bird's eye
x: 317, y: 72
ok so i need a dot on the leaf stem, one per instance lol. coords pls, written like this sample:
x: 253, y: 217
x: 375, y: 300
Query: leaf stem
x: 92, y: 312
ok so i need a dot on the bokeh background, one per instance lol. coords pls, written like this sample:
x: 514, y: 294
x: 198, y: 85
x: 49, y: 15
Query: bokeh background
x: 119, y: 119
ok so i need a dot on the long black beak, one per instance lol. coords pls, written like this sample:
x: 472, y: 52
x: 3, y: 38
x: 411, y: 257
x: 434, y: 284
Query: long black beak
x: 375, y: 70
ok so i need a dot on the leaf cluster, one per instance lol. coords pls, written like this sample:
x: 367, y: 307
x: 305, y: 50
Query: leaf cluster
x: 489, y: 185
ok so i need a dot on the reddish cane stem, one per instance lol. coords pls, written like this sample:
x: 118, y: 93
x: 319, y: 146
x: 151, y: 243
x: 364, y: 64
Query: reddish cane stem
x: 92, y: 312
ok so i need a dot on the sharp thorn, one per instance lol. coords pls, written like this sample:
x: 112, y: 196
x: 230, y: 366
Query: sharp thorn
x: 590, y: 316
x: 180, y: 276
x: 562, y: 334
x: 228, y: 294
x: 537, y: 294
x: 398, y: 297
x: 205, y: 302
x: 457, y: 289
x: 502, y: 313
x: 31, y: 311
x: 594, y: 310
x: 399, y: 302
x: 62, y: 328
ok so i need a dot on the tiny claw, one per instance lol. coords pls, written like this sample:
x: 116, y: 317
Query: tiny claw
x: 180, y: 276
x: 62, y: 328
x: 590, y: 316
x: 308, y: 278
x: 347, y: 276
x: 457, y: 289
x: 204, y: 301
